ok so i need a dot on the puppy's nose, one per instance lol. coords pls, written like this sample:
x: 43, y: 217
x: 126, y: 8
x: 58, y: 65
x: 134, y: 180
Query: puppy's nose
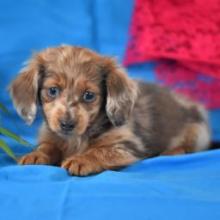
x: 67, y: 125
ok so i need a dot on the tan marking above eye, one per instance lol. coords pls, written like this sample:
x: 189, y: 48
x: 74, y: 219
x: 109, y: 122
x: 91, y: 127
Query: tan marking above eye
x: 55, y: 79
x: 82, y: 84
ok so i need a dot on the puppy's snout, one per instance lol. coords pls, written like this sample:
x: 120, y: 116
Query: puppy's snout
x: 67, y: 125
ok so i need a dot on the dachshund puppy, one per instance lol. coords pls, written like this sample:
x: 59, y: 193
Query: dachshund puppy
x: 97, y: 118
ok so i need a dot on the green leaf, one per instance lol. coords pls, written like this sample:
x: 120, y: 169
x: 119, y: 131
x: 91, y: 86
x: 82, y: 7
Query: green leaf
x: 12, y: 135
x: 7, y: 150
x: 3, y: 108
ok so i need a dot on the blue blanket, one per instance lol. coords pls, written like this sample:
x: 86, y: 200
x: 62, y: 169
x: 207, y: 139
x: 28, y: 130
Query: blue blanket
x: 180, y: 187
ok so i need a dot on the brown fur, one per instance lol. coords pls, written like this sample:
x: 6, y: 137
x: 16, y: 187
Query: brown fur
x: 127, y: 121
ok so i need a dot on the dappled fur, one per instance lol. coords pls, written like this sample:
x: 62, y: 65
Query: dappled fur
x: 127, y: 121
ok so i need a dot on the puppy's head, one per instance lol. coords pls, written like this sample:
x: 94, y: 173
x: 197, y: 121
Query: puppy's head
x: 74, y: 86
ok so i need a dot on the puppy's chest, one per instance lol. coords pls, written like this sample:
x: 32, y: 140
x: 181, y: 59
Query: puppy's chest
x: 75, y: 145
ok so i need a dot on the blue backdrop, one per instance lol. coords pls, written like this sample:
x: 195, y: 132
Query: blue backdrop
x: 180, y: 187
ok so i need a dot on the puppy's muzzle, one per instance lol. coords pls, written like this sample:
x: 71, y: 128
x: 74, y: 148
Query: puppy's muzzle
x: 67, y: 125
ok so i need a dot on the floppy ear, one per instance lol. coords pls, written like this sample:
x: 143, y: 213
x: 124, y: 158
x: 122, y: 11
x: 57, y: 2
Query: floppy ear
x: 24, y: 90
x: 121, y: 93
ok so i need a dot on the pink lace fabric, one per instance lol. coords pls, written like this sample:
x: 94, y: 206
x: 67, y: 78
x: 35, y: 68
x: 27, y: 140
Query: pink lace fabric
x: 184, y: 37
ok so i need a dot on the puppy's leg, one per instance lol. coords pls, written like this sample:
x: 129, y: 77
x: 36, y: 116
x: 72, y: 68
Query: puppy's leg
x: 99, y: 159
x: 175, y: 151
x: 46, y: 153
x: 194, y: 137
x: 112, y: 150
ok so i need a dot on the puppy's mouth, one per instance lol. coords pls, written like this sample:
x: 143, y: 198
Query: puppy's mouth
x: 65, y: 133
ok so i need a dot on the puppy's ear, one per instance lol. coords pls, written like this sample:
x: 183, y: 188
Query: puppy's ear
x: 24, y: 90
x: 121, y: 93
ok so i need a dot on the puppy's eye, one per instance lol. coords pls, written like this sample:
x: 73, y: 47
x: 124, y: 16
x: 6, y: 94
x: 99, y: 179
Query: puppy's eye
x: 53, y: 92
x: 89, y: 96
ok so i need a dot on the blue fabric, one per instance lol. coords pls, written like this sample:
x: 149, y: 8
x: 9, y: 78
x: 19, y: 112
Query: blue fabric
x: 181, y: 187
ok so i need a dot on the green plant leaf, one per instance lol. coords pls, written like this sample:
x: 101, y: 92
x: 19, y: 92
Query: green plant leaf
x: 3, y: 108
x: 7, y: 150
x: 12, y: 135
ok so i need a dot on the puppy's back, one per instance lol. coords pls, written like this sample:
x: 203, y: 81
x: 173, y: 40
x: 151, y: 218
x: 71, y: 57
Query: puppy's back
x: 164, y: 119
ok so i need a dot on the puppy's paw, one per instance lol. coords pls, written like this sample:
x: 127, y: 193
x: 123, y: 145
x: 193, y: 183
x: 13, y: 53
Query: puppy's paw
x: 82, y: 166
x: 35, y: 157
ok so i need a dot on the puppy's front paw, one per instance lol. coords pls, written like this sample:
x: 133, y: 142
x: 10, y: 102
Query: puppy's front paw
x: 36, y: 157
x: 81, y: 166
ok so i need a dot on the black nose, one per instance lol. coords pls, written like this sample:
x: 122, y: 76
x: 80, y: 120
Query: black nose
x: 66, y: 125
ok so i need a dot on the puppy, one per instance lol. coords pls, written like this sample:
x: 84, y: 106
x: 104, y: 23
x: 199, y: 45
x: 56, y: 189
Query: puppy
x: 97, y: 118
